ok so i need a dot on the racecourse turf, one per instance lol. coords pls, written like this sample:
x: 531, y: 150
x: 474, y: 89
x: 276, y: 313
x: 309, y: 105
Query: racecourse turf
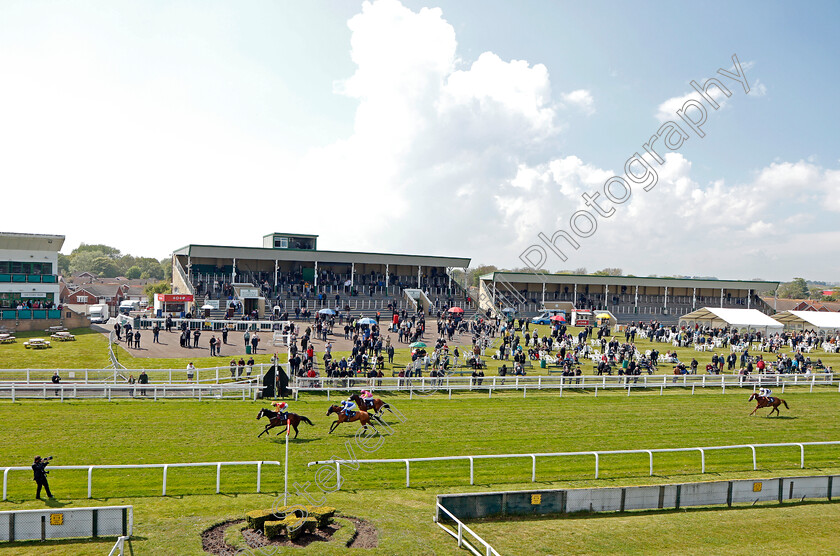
x: 99, y: 432
x: 143, y: 431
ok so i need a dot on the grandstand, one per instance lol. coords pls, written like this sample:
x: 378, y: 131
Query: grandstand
x: 288, y: 271
x: 629, y: 298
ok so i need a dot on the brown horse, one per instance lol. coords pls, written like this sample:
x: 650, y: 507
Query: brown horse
x: 363, y: 417
x: 274, y: 421
x: 377, y: 407
x: 765, y: 402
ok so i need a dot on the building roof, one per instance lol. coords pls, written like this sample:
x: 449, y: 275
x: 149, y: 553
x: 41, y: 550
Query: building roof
x: 284, y: 234
x: 810, y: 319
x: 534, y: 278
x: 740, y: 318
x: 311, y: 255
x: 794, y: 304
x: 98, y: 290
x: 31, y: 242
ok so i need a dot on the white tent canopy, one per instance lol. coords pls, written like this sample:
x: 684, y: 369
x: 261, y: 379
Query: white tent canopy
x: 750, y: 319
x: 809, y: 320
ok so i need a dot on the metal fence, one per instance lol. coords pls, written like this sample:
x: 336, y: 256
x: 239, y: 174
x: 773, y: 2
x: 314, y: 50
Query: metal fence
x: 619, y: 499
x: 596, y: 453
x: 66, y: 523
x: 163, y: 466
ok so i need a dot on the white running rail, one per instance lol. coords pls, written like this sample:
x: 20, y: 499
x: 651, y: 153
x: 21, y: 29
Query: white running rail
x: 461, y: 528
x: 164, y: 466
x: 596, y: 453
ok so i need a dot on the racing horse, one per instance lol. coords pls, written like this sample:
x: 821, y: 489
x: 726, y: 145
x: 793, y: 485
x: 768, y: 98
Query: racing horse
x: 377, y: 407
x: 274, y: 421
x: 761, y: 401
x: 363, y: 417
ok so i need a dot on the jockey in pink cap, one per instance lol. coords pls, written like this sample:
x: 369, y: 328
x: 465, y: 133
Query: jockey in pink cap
x: 367, y: 397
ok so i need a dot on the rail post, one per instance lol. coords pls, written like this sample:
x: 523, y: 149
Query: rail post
x: 702, y: 460
x: 165, y: 470
x: 472, y: 481
x: 407, y: 474
x: 338, y: 474
x: 596, y: 463
x: 754, y: 462
x: 802, y: 456
x: 218, y: 477
x: 259, y: 476
x: 5, y: 482
x: 650, y: 454
x: 90, y: 482
x: 533, y: 468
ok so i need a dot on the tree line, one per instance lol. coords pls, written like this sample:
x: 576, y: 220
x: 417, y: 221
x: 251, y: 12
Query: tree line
x: 109, y: 262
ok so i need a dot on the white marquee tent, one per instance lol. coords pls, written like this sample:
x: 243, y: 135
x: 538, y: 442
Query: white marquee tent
x: 809, y: 320
x: 742, y: 319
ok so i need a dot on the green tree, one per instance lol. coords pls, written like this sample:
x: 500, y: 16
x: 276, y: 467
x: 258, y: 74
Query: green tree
x: 133, y: 273
x: 111, y: 252
x: 158, y: 287
x: 608, y: 272
x: 166, y: 267
x: 105, y: 266
x: 82, y: 261
x: 796, y: 289
x: 63, y: 264
x: 475, y: 272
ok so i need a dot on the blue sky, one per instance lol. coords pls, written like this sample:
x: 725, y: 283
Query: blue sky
x: 459, y: 128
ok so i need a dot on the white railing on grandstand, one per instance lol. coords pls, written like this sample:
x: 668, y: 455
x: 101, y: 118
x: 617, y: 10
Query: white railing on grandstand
x: 461, y: 528
x: 164, y: 466
x: 597, y: 453
x: 559, y: 383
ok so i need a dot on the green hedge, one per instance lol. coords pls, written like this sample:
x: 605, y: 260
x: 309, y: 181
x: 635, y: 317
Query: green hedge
x: 287, y: 526
x: 257, y: 518
x: 322, y: 514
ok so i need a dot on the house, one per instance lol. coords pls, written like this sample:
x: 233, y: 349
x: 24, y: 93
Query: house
x: 92, y: 294
x: 781, y: 305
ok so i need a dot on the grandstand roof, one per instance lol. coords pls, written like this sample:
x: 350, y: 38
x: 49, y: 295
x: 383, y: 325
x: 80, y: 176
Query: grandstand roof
x: 309, y: 255
x: 531, y: 277
x: 809, y: 319
x: 739, y: 318
x: 30, y: 242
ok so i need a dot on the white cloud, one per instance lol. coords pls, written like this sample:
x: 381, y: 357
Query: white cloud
x: 581, y: 99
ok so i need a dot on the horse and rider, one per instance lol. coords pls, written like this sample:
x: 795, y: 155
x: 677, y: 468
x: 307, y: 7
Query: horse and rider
x: 355, y: 408
x: 366, y: 401
x: 280, y: 417
x: 765, y: 398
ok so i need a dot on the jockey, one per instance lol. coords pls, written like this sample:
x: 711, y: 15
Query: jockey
x: 367, y: 397
x: 349, y: 408
x: 280, y: 408
x: 765, y: 392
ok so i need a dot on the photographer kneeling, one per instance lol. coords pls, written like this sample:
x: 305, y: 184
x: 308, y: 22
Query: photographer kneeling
x: 39, y: 468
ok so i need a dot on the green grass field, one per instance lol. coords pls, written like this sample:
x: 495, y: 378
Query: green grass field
x: 143, y: 431
x: 147, y: 432
x: 90, y: 351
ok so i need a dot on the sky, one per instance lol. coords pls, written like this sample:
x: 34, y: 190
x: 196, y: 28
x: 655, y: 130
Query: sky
x: 461, y: 128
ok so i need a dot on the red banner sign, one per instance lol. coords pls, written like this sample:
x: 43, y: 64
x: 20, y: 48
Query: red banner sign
x: 175, y: 298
